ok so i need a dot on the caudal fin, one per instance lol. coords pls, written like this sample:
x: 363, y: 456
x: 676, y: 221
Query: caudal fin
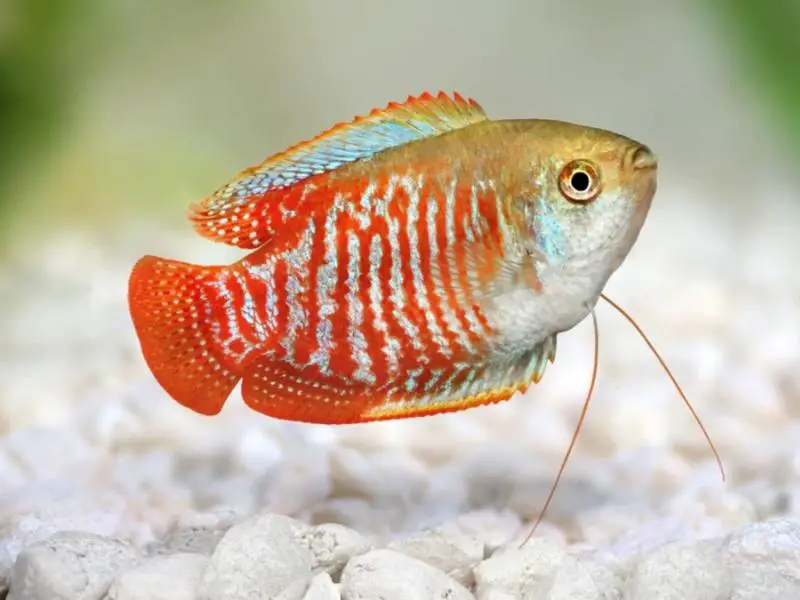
x: 171, y: 317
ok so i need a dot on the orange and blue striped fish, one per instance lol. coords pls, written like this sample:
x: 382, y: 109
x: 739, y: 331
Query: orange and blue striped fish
x: 418, y: 260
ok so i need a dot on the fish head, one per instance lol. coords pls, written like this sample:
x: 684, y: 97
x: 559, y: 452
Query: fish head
x: 583, y: 195
x: 589, y: 193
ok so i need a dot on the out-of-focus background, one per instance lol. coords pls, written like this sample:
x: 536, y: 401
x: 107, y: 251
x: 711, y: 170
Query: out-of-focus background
x: 114, y: 116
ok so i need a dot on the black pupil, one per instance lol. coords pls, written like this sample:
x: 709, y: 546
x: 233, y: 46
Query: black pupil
x: 580, y: 181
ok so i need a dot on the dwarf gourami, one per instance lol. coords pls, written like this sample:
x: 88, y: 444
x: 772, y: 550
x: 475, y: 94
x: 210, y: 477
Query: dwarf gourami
x: 418, y: 260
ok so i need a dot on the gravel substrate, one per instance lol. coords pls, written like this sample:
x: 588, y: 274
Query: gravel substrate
x: 108, y: 489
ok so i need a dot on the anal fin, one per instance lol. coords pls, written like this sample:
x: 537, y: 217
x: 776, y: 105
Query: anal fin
x: 281, y: 391
x: 466, y: 385
x: 302, y: 394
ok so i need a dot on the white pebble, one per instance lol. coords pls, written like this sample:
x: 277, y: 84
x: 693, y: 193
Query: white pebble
x: 583, y: 578
x: 493, y: 528
x: 679, y: 571
x: 518, y: 573
x: 70, y: 565
x: 764, y: 560
x: 332, y: 545
x: 322, y: 587
x: 171, y: 577
x: 390, y: 575
x: 195, y: 534
x: 447, y: 548
x: 34, y: 520
x: 257, y: 558
x: 543, y: 571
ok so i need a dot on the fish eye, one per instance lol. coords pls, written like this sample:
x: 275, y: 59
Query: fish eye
x: 580, y: 181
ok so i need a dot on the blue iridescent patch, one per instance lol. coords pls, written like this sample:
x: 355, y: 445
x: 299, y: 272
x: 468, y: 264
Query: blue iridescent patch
x: 549, y: 232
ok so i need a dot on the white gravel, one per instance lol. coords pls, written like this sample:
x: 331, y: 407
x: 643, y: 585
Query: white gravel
x: 111, y: 490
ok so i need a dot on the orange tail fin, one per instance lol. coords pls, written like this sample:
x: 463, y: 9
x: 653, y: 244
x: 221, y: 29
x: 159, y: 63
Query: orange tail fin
x: 171, y: 317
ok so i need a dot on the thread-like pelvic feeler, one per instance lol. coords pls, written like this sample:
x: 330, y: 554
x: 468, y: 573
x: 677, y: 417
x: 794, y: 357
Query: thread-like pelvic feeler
x: 567, y: 454
x: 577, y: 431
x: 688, y: 404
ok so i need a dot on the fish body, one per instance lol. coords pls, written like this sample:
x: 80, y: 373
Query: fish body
x: 419, y: 260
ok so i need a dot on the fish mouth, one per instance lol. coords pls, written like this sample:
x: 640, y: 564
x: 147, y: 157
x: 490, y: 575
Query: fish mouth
x: 642, y: 164
x: 640, y: 158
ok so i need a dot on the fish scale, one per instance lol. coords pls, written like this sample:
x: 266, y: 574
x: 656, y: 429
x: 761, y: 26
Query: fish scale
x: 418, y: 260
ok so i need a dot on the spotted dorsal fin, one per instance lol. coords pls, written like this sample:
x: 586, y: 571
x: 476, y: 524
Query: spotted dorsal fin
x: 247, y: 211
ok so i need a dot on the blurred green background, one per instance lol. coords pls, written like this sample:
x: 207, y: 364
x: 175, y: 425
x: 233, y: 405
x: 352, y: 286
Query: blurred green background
x: 121, y: 111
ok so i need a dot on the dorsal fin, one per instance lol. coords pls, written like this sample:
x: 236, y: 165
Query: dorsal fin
x: 243, y: 212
